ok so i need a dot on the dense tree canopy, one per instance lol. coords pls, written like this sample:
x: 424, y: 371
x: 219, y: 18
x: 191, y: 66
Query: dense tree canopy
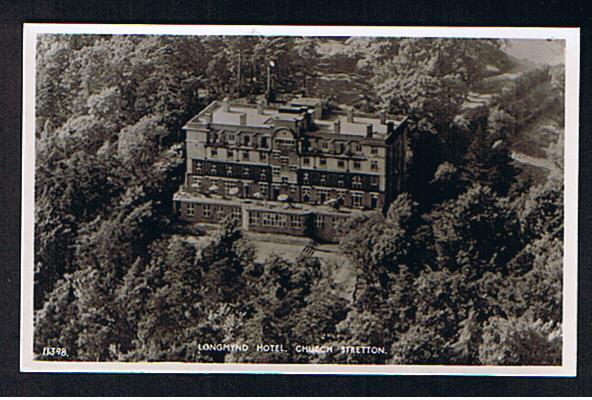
x: 466, y: 267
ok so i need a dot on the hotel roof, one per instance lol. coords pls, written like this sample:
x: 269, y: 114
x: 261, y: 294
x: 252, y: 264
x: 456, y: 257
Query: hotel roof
x: 258, y: 116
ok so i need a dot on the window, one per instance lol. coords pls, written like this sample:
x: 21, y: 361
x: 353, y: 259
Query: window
x: 229, y: 170
x: 323, y: 161
x: 374, y: 150
x: 190, y: 209
x: 356, y: 147
x: 265, y: 142
x: 254, y: 218
x: 356, y: 199
x: 245, y: 155
x: 228, y: 185
x: 213, y: 170
x: 357, y: 165
x: 263, y: 176
x: 324, y: 144
x: 206, y: 211
x: 246, y: 172
x: 262, y: 156
x: 294, y: 168
x: 197, y: 167
x: 374, y: 165
x: 305, y: 195
x: 214, y: 153
x: 229, y: 153
x: 263, y: 190
x: 219, y: 212
x: 323, y: 195
x: 319, y: 221
x: 284, y: 160
x: 276, y: 170
x: 323, y: 180
x: 340, y: 163
x: 374, y: 201
x: 276, y: 153
x: 230, y: 137
x: 236, y: 214
x: 305, y: 178
x: 273, y: 220
x: 340, y: 183
x: 357, y: 182
x: 293, y: 189
x: 295, y: 221
x: 247, y: 140
x: 374, y: 180
x: 284, y: 142
x: 284, y: 179
x: 306, y: 161
x: 195, y: 181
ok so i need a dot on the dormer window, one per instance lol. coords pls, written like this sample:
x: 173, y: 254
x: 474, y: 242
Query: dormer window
x: 265, y: 142
x: 246, y: 172
x: 305, y: 178
x: 229, y: 170
x: 247, y: 140
x: 214, y: 153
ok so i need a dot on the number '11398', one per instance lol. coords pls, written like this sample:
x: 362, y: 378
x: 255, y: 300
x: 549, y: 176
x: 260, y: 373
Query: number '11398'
x: 55, y: 351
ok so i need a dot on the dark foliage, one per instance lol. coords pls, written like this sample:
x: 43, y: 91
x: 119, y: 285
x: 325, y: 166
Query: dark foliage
x: 465, y: 268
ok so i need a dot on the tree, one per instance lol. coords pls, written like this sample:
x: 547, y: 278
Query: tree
x: 520, y: 341
x: 488, y: 160
x: 478, y: 231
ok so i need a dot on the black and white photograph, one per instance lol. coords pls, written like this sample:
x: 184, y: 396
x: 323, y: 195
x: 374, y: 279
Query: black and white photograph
x: 300, y: 199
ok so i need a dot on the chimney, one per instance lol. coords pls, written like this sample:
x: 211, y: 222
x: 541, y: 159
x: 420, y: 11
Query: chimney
x: 318, y: 111
x: 243, y: 119
x: 261, y: 107
x: 226, y: 104
x: 337, y: 126
x: 350, y: 115
x: 382, y: 116
x: 369, y: 130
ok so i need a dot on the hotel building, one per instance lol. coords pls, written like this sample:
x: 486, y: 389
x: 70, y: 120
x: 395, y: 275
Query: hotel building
x: 293, y: 168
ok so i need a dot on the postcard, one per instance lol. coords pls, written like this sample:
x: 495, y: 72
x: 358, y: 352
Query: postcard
x: 300, y: 199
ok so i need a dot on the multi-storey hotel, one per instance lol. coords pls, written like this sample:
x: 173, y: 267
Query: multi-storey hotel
x: 294, y: 168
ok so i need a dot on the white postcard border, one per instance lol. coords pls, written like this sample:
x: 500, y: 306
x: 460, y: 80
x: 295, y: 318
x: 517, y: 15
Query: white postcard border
x: 572, y: 63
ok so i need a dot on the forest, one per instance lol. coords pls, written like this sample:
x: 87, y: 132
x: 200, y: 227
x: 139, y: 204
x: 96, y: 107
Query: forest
x: 464, y: 268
